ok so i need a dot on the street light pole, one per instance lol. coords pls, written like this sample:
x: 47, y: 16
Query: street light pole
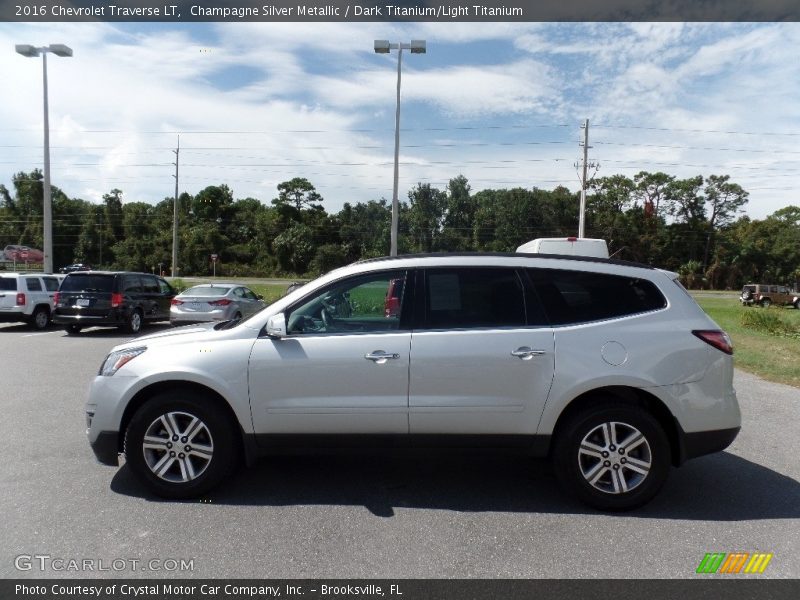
x: 47, y: 208
x: 383, y: 47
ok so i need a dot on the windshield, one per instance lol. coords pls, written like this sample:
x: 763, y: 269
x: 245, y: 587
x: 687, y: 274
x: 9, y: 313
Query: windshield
x: 87, y: 283
x: 205, y: 290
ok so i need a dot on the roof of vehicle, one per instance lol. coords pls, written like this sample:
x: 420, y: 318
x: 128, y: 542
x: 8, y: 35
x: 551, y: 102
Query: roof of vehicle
x: 84, y: 273
x: 593, y: 259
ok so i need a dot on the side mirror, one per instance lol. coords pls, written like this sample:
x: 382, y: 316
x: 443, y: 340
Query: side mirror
x: 276, y: 326
x: 259, y: 297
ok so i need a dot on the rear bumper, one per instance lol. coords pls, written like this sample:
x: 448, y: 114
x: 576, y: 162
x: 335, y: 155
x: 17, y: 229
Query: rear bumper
x: 700, y: 443
x: 13, y: 316
x: 115, y: 317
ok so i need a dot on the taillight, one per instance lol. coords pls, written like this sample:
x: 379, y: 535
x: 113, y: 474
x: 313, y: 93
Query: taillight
x: 116, y: 300
x: 21, y: 299
x: 56, y: 297
x: 715, y: 337
x: 223, y: 302
x: 176, y: 302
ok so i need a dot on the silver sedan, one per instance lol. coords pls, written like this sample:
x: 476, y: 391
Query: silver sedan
x: 214, y: 302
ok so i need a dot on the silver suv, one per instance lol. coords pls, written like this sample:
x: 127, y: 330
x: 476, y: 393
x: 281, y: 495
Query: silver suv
x: 28, y: 297
x: 610, y: 369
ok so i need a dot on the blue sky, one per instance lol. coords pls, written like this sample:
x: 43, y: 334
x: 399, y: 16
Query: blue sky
x: 259, y: 103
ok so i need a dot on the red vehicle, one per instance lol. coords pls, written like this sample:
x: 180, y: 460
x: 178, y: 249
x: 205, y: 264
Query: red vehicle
x: 15, y: 253
x: 394, y: 296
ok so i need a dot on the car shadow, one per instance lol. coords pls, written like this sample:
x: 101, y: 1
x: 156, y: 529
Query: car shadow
x: 721, y: 487
x: 116, y: 333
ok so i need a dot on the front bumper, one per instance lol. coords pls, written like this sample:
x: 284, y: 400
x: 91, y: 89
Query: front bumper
x: 106, y: 448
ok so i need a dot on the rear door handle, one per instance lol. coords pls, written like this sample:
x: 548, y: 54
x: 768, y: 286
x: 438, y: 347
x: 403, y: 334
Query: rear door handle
x: 525, y: 353
x: 380, y: 357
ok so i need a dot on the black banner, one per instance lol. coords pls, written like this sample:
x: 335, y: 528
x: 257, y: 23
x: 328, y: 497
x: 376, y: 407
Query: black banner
x: 400, y: 10
x: 733, y: 588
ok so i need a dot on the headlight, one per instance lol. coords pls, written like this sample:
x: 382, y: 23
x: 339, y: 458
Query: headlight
x: 116, y: 360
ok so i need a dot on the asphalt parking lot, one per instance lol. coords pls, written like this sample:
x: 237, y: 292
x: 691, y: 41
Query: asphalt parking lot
x: 367, y: 516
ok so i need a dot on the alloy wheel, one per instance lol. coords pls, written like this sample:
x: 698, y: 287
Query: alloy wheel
x: 614, y: 457
x: 178, y: 447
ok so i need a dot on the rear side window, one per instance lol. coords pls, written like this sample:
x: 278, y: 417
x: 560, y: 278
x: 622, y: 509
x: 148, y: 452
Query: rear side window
x: 33, y: 283
x: 87, y: 283
x: 8, y: 284
x: 579, y: 297
x: 150, y: 284
x: 473, y: 298
x: 131, y: 284
x: 50, y: 283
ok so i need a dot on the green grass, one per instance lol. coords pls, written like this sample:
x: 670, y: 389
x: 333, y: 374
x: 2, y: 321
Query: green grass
x: 764, y: 344
x: 270, y: 291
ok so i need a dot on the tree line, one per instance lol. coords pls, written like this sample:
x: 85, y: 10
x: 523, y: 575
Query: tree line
x: 694, y: 226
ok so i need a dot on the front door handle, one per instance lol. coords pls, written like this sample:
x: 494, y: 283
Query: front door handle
x: 525, y: 353
x: 380, y: 357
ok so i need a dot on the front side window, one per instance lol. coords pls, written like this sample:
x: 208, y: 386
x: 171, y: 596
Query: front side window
x: 354, y: 305
x: 580, y: 297
x: 466, y: 298
x: 164, y: 287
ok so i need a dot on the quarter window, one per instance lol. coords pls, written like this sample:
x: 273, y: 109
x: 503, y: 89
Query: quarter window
x: 50, y: 284
x: 473, y: 298
x: 579, y: 296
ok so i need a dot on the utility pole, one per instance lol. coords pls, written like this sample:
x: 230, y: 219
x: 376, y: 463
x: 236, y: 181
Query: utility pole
x: 175, y: 214
x: 586, y: 165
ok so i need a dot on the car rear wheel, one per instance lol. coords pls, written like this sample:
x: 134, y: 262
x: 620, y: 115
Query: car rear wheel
x: 134, y: 322
x: 180, y: 445
x: 614, y: 456
x: 766, y: 302
x: 40, y: 318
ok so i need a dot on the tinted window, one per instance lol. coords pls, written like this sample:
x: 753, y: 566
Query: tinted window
x: 469, y: 298
x: 87, y: 283
x: 150, y: 284
x: 34, y: 285
x: 8, y: 284
x: 579, y: 297
x: 131, y: 284
x: 50, y: 283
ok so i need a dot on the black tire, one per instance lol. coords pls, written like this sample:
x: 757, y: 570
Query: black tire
x: 134, y: 322
x: 40, y: 319
x: 766, y: 302
x: 237, y: 316
x: 216, y: 431
x: 615, y: 469
x: 72, y: 329
x: 797, y: 304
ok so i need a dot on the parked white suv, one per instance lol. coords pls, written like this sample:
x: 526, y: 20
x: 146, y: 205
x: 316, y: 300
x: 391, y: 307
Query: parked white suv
x: 28, y: 297
x: 609, y: 368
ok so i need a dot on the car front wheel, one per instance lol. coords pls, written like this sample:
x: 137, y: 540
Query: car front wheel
x: 179, y: 446
x: 613, y: 457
